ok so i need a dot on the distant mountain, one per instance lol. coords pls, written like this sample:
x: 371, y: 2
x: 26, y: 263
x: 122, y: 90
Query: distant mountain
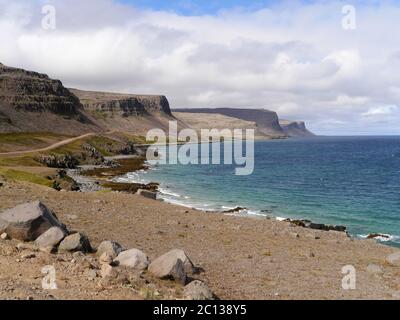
x: 126, y: 112
x: 295, y: 128
x: 33, y: 102
x: 265, y: 122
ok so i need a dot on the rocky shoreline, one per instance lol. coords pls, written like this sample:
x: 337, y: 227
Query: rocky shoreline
x: 91, y: 178
x: 241, y: 258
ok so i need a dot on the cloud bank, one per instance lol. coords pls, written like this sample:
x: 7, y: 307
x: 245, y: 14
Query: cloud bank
x: 291, y: 57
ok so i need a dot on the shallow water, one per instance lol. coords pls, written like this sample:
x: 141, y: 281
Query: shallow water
x: 353, y: 181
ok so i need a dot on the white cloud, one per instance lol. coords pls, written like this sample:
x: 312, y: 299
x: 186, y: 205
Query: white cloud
x: 292, y: 58
x: 379, y: 111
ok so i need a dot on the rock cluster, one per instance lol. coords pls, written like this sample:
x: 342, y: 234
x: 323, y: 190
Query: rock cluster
x: 316, y: 226
x: 61, y: 161
x: 40, y: 230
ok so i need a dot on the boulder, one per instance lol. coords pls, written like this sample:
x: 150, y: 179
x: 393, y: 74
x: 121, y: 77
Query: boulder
x: 132, y: 258
x: 28, y: 221
x: 197, y: 290
x: 51, y: 238
x: 75, y: 242
x: 174, y: 264
x: 180, y: 254
x: 168, y: 267
x: 111, y: 248
x: 147, y: 194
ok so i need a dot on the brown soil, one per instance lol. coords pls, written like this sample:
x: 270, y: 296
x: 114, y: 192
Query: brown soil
x: 242, y: 258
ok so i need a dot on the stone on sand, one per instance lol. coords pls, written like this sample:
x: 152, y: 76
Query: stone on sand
x: 110, y: 247
x: 180, y: 254
x: 197, y: 290
x: 132, y: 258
x: 51, y: 238
x: 174, y: 264
x: 75, y: 242
x: 28, y: 221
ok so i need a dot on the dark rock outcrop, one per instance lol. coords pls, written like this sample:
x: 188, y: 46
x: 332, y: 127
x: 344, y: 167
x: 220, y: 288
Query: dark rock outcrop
x: 295, y: 128
x: 33, y: 102
x: 59, y: 161
x: 316, y: 226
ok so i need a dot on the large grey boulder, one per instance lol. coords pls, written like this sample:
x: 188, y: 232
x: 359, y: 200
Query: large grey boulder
x: 51, y: 238
x: 75, y: 242
x: 28, y: 221
x: 172, y: 265
x: 112, y: 248
x: 197, y: 290
x: 132, y: 258
x: 180, y: 254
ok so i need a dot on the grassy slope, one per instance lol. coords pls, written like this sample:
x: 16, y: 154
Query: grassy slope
x: 10, y: 167
x: 25, y: 141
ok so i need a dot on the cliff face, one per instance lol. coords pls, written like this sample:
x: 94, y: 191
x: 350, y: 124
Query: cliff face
x: 295, y: 128
x: 31, y: 101
x: 126, y: 112
x: 125, y: 105
x: 35, y: 92
x: 267, y: 122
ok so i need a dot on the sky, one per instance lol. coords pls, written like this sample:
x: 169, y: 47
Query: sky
x: 308, y: 60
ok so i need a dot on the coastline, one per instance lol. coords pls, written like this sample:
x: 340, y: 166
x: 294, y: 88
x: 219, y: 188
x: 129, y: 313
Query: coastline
x: 141, y: 165
x: 242, y: 258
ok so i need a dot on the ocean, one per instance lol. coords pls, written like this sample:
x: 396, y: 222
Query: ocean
x: 351, y: 181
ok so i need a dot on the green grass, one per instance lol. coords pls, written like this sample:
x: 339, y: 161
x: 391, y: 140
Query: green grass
x: 17, y: 141
x: 99, y: 142
x: 26, y: 161
x: 17, y: 175
x: 134, y: 138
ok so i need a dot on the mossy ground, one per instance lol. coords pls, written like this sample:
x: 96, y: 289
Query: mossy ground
x: 17, y: 175
x: 22, y: 141
x: 19, y: 167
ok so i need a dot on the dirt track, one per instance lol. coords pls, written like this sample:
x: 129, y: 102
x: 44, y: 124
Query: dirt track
x: 51, y: 147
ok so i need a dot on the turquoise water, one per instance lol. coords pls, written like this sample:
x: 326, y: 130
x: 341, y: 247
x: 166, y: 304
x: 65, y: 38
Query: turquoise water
x: 352, y: 181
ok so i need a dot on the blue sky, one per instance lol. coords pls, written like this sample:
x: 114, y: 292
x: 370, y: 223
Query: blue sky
x: 201, y: 7
x: 196, y: 7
